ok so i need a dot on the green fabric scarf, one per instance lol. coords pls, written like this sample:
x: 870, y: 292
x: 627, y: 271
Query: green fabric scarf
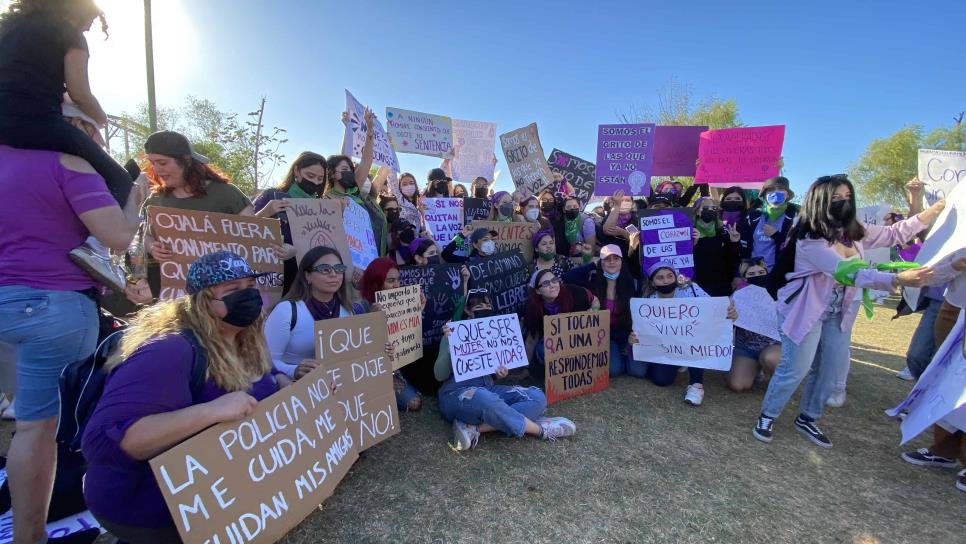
x: 706, y: 230
x: 774, y: 212
x: 296, y: 192
x: 352, y: 193
x: 570, y: 230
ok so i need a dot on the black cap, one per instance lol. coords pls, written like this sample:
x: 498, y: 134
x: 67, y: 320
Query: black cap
x: 775, y: 183
x: 400, y: 225
x: 172, y: 144
x: 481, y: 232
x: 660, y: 197
x: 437, y: 174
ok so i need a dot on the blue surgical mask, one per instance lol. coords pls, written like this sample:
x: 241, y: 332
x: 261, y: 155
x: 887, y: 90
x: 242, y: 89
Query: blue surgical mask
x: 612, y: 275
x: 488, y: 247
x: 776, y: 198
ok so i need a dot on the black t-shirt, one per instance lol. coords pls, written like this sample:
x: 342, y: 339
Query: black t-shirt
x: 32, y: 50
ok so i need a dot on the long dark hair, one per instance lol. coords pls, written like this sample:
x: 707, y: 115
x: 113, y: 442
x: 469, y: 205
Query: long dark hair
x: 304, y: 160
x: 815, y: 221
x: 625, y: 289
x: 740, y: 192
x: 70, y: 10
x: 301, y: 291
x: 331, y: 164
x: 414, y: 200
x: 196, y: 174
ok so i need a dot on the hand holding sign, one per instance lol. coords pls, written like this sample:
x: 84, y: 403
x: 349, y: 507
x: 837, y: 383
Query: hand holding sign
x: 479, y: 347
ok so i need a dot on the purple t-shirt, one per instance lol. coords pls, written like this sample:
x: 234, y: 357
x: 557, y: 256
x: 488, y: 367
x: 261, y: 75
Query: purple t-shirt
x: 43, y: 200
x: 154, y: 380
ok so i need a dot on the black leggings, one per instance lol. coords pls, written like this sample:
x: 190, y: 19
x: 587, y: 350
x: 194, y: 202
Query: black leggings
x: 56, y: 134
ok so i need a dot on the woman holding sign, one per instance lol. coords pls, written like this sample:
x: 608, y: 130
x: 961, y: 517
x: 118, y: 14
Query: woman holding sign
x: 818, y: 305
x: 550, y: 296
x: 183, y: 366
x: 478, y: 405
x: 754, y: 354
x: 663, y: 283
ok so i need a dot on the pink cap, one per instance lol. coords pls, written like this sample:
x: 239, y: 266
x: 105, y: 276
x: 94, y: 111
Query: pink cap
x: 610, y: 249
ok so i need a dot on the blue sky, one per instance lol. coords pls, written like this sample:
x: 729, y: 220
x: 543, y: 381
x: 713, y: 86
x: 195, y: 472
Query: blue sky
x: 838, y: 74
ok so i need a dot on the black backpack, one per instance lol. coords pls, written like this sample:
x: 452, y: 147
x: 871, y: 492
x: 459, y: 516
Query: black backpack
x: 784, y: 265
x: 82, y: 382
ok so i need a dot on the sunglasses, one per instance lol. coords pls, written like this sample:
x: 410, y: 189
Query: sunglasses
x: 835, y: 177
x: 481, y: 290
x: 330, y: 269
x: 548, y: 283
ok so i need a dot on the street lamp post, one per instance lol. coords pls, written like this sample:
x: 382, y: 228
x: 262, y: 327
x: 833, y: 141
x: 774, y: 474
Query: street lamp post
x: 149, y: 62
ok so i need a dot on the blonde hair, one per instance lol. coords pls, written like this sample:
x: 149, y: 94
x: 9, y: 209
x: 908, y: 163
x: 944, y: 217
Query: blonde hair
x: 232, y: 365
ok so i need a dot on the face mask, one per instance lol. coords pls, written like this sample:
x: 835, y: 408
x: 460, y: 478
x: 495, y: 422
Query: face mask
x: 392, y: 214
x: 432, y: 260
x: 532, y: 214
x: 546, y: 256
x: 666, y: 289
x: 408, y: 190
x: 309, y: 187
x: 407, y: 236
x: 776, y: 198
x: 606, y: 208
x: 760, y: 281
x: 709, y: 216
x: 442, y: 188
x: 346, y: 179
x: 483, y: 312
x: 506, y: 210
x: 612, y: 275
x: 731, y: 206
x: 488, y: 247
x: 243, y: 307
x: 480, y: 192
x: 841, y: 210
x: 546, y: 206
x: 626, y: 207
x: 571, y: 214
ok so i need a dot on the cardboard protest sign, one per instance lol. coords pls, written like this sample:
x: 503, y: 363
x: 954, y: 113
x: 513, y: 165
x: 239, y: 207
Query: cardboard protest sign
x: 444, y: 219
x: 252, y: 480
x: 512, y: 235
x: 441, y: 284
x: 404, y: 319
x: 355, y: 136
x: 505, y: 277
x: 358, y: 369
x: 192, y: 234
x: 740, y: 156
x: 580, y: 173
x: 667, y: 235
x: 473, y: 142
x: 359, y: 236
x: 525, y: 158
x: 417, y: 132
x: 945, y: 237
x: 577, y: 349
x: 691, y: 332
x: 757, y: 311
x: 625, y: 157
x: 475, y: 209
x: 941, y: 390
x: 477, y: 347
x: 318, y: 222
x: 940, y: 171
x: 676, y: 150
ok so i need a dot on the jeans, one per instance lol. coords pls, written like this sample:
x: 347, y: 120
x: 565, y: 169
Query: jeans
x: 404, y: 395
x: 922, y: 347
x: 50, y: 330
x: 503, y: 407
x: 619, y: 358
x: 820, y: 356
x: 661, y: 375
x: 56, y: 134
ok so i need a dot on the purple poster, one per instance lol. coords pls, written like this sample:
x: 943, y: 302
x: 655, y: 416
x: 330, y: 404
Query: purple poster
x: 625, y: 154
x: 676, y: 150
x: 666, y: 235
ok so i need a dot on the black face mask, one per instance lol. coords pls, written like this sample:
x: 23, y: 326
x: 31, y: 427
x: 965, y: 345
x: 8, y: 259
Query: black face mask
x: 346, y: 179
x: 442, y: 188
x: 392, y: 214
x: 432, y: 260
x: 731, y: 206
x: 709, y: 216
x: 480, y: 192
x: 841, y: 211
x: 571, y: 214
x: 666, y: 289
x: 606, y: 208
x: 506, y: 210
x: 760, y: 281
x: 546, y: 206
x: 309, y: 187
x: 479, y: 314
x: 407, y: 236
x: 243, y: 306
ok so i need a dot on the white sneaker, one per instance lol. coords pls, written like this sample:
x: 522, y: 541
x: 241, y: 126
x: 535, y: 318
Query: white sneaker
x: 465, y: 437
x: 99, y: 267
x: 905, y: 375
x: 694, y: 395
x: 9, y: 414
x: 556, y: 427
x: 836, y: 399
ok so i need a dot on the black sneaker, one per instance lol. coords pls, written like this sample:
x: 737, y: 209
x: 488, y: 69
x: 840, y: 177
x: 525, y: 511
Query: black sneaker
x: 763, y: 428
x: 924, y: 458
x: 812, y: 432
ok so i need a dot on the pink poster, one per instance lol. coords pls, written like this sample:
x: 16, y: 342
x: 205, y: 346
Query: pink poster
x: 740, y: 156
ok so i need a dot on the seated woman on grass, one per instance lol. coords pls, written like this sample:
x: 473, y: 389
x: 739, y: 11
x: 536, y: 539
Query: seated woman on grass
x: 755, y: 356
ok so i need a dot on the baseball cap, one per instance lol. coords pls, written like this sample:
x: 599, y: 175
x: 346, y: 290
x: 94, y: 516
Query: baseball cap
x: 172, y: 144
x: 437, y: 174
x: 215, y: 268
x: 481, y: 232
x: 776, y: 183
x: 400, y: 225
x: 660, y: 197
x: 610, y: 249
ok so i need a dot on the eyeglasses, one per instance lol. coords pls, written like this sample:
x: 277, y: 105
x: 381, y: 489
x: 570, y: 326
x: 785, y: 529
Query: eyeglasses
x: 481, y: 290
x: 326, y: 269
x: 548, y: 283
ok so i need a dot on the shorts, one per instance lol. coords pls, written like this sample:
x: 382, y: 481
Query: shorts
x: 49, y: 330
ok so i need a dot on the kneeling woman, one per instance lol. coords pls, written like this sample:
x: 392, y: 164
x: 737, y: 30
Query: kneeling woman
x: 478, y: 406
x: 754, y: 355
x: 158, y: 393
x: 550, y: 296
x: 663, y: 283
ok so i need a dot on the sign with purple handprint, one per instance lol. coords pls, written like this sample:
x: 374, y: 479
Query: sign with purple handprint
x: 355, y: 135
x: 579, y: 173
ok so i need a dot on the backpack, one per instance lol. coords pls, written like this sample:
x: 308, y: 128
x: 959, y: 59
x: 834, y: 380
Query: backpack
x: 82, y: 383
x: 784, y: 265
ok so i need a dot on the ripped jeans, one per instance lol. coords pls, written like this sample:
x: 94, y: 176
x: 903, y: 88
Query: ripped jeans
x: 503, y: 407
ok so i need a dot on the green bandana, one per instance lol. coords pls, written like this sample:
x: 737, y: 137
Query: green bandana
x: 352, y: 193
x: 706, y: 230
x: 570, y: 230
x: 296, y: 192
x: 503, y: 219
x: 546, y: 256
x: 774, y: 212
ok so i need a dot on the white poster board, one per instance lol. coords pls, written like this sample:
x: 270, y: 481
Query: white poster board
x: 945, y: 237
x: 359, y: 235
x: 444, y: 219
x: 940, y: 171
x: 478, y: 347
x: 473, y: 142
x: 420, y: 133
x: 757, y: 311
x: 355, y: 136
x: 691, y: 332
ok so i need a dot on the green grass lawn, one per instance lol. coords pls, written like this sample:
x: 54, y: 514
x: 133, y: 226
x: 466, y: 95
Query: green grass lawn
x: 645, y: 467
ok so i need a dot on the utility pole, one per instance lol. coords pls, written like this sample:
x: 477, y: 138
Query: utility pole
x: 149, y: 62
